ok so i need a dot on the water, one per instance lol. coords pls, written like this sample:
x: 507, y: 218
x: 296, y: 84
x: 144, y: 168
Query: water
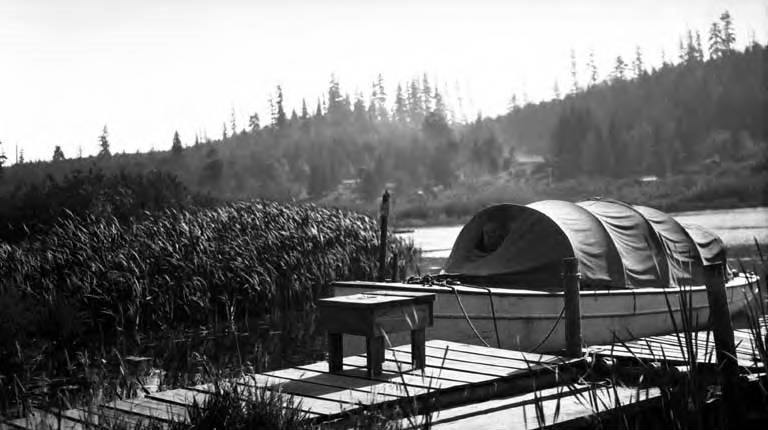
x: 737, y: 227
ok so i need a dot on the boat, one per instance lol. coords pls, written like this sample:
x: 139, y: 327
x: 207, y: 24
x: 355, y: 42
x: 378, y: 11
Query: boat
x: 641, y: 274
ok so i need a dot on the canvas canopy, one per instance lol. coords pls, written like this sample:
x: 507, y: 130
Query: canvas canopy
x: 617, y: 246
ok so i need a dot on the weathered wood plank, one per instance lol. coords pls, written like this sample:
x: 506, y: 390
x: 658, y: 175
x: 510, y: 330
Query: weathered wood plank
x: 462, y: 366
x: 520, y: 411
x: 497, y: 352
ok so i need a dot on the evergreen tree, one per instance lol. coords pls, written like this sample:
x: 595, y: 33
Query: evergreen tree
x: 318, y: 109
x: 592, y: 69
x: 698, y: 49
x: 224, y: 131
x: 426, y: 94
x: 58, y: 154
x: 294, y: 116
x: 253, y: 122
x: 335, y: 99
x: 304, y: 111
x: 401, y: 106
x: 233, y: 122
x: 574, y: 74
x: 21, y: 156
x: 513, y: 104
x: 176, y: 147
x: 280, y: 119
x: 381, y: 99
x: 556, y: 90
x: 440, y: 107
x: 415, y: 103
x: 728, y: 36
x: 715, y: 41
x: 619, y: 69
x: 637, y: 64
x: 104, y: 151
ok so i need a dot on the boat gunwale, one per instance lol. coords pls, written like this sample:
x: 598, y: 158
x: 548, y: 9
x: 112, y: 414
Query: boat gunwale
x: 740, y: 281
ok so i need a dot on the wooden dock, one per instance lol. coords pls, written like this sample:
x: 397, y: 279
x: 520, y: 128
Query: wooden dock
x: 455, y: 374
x: 673, y: 349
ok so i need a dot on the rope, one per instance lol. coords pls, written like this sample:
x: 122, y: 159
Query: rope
x: 472, y: 326
x: 552, y: 330
x: 493, y: 313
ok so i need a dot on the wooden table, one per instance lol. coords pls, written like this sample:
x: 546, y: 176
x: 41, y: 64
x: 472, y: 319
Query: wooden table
x: 375, y: 315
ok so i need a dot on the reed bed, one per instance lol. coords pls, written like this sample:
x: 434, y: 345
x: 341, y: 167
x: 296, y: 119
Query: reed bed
x: 93, y: 289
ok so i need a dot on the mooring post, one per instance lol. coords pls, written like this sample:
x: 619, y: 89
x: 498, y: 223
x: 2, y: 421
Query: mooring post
x: 383, y: 217
x: 571, y: 288
x: 720, y: 319
x: 722, y: 331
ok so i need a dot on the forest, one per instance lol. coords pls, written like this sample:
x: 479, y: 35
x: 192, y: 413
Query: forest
x: 699, y: 113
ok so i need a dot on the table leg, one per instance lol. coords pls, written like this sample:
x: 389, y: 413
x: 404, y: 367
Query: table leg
x: 335, y: 353
x: 418, y: 348
x: 374, y: 355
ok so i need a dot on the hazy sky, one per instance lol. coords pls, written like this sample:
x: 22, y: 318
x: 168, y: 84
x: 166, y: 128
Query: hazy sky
x: 148, y: 67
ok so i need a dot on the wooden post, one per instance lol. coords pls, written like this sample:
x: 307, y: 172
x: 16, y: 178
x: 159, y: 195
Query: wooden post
x: 720, y: 319
x: 383, y: 216
x: 418, y: 348
x: 335, y: 352
x: 571, y: 289
x: 374, y: 354
x: 395, y: 273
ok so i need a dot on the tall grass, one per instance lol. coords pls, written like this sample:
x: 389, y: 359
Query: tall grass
x: 101, y: 287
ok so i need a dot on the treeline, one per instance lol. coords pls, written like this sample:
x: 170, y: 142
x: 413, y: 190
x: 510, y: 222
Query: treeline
x: 706, y: 106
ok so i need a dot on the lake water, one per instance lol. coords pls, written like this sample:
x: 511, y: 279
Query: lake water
x: 737, y: 227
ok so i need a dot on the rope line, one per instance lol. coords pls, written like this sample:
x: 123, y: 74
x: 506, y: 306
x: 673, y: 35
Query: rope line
x: 552, y: 330
x: 469, y: 321
x: 493, y: 313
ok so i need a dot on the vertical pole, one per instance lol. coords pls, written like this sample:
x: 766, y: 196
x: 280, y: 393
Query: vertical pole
x: 720, y: 319
x: 418, y: 348
x: 335, y: 352
x: 571, y: 289
x: 725, y: 347
x: 395, y: 273
x: 374, y: 355
x: 383, y: 216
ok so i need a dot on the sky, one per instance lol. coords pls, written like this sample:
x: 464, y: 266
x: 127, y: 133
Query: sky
x: 146, y: 68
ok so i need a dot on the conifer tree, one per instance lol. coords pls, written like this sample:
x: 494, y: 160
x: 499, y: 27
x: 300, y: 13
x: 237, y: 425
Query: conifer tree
x: 176, y: 147
x: 415, y: 103
x: 715, y: 41
x: 224, y: 131
x: 233, y: 122
x: 637, y: 64
x: 619, y: 69
x: 381, y: 99
x: 294, y: 115
x: 401, y: 106
x: 58, y: 154
x: 253, y: 122
x: 574, y: 75
x: 318, y: 109
x: 280, y: 119
x: 556, y: 90
x: 697, y: 45
x: 728, y: 37
x: 592, y: 69
x: 104, y: 151
x: 21, y: 156
x: 426, y: 94
x: 440, y: 107
x: 304, y: 111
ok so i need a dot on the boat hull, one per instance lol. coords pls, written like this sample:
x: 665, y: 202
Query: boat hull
x: 528, y: 320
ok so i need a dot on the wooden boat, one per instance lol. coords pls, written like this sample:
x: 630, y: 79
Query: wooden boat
x: 642, y: 273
